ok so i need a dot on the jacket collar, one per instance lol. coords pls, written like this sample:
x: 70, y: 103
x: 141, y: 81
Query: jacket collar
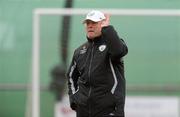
x: 98, y: 39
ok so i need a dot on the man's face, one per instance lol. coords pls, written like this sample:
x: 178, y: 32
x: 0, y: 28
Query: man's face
x: 93, y: 29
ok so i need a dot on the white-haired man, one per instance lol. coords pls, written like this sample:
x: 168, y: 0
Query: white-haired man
x: 96, y: 75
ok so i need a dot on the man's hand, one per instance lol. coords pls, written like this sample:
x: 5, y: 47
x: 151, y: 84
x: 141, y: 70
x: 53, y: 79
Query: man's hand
x: 106, y: 21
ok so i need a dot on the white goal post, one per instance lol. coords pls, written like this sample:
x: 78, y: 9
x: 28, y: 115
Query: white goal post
x: 37, y: 13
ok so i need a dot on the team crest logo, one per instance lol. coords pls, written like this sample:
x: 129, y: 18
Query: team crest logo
x: 102, y: 48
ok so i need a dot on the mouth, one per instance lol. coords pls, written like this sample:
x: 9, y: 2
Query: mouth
x: 90, y: 31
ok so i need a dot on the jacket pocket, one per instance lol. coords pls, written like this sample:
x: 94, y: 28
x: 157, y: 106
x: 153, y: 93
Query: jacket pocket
x: 108, y: 100
x: 80, y: 99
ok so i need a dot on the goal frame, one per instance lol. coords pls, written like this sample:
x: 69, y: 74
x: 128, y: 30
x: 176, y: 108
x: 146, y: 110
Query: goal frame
x: 38, y: 12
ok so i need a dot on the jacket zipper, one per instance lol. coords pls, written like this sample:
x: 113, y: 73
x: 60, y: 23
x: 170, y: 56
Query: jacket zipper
x: 89, y: 74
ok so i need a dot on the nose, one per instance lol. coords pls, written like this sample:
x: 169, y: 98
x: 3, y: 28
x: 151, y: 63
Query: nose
x: 89, y: 25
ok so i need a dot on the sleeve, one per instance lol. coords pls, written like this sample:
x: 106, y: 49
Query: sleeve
x: 116, y: 45
x: 72, y: 75
x: 116, y: 49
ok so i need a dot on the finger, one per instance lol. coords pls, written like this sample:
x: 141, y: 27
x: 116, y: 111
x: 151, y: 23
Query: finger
x: 107, y: 16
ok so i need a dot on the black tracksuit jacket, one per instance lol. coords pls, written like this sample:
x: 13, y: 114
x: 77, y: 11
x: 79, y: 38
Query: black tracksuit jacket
x: 96, y: 80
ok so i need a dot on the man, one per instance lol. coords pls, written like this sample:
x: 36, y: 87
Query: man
x: 96, y: 75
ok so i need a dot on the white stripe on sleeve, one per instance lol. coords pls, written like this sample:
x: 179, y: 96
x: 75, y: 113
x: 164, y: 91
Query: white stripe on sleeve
x: 71, y: 80
x: 114, y: 76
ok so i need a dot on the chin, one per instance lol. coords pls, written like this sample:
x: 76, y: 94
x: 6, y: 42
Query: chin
x: 91, y: 37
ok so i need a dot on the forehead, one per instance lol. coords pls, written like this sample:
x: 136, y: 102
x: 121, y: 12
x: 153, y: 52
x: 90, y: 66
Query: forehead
x: 89, y: 21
